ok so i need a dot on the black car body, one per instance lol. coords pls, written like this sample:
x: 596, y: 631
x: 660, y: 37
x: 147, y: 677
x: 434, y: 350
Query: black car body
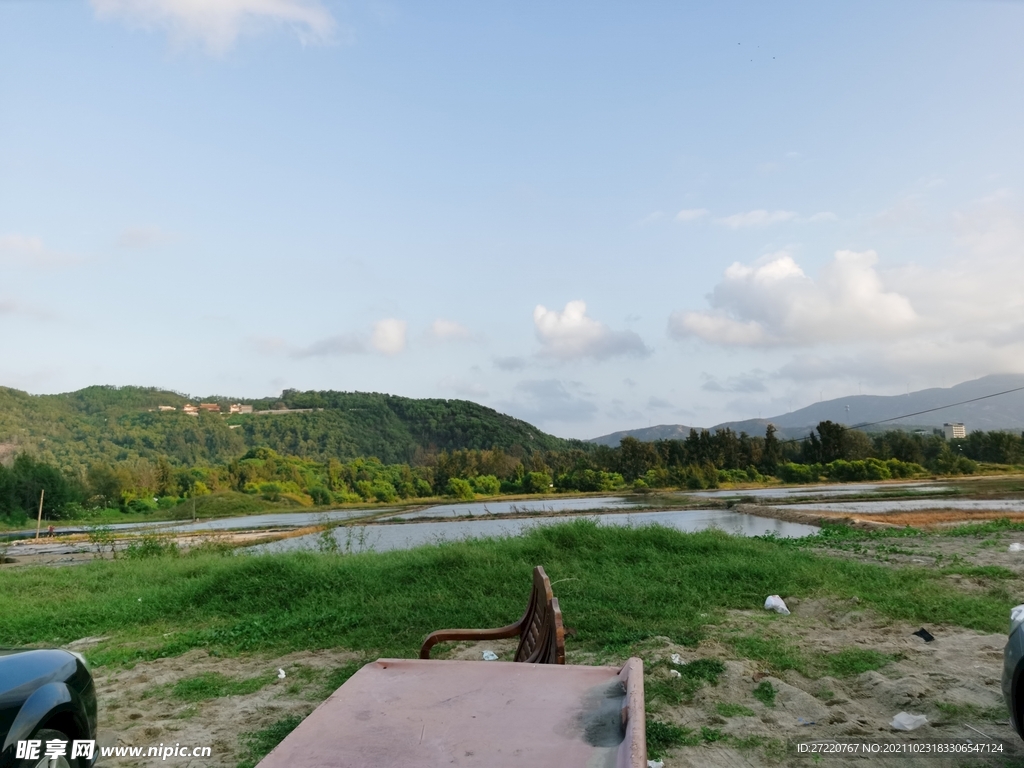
x: 44, y: 690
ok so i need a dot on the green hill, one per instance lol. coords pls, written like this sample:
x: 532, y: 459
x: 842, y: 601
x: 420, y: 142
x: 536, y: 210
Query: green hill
x: 117, y: 424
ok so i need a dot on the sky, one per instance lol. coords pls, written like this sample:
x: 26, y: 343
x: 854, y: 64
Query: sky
x: 592, y: 216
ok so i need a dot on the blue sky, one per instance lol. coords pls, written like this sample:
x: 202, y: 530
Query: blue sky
x: 592, y: 216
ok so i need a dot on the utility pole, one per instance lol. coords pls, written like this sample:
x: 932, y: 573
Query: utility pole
x: 39, y: 519
x: 193, y: 508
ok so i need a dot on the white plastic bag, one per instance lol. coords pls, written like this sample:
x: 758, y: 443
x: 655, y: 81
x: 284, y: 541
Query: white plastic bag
x: 655, y: 764
x: 675, y: 673
x: 677, y: 660
x: 905, y: 721
x: 280, y: 674
x: 776, y: 603
x: 490, y: 656
x: 1015, y: 547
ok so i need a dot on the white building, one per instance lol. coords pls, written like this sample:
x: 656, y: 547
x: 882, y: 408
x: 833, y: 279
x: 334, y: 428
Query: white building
x: 954, y: 430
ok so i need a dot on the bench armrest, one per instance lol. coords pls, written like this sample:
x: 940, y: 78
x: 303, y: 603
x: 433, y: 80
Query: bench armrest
x: 448, y: 635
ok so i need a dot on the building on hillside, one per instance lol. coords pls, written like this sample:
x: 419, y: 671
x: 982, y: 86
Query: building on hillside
x: 239, y: 408
x: 190, y: 409
x: 954, y: 430
x: 166, y: 408
x: 209, y: 407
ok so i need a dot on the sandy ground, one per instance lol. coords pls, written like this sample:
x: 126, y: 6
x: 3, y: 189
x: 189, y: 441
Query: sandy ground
x: 137, y: 708
x: 959, y: 669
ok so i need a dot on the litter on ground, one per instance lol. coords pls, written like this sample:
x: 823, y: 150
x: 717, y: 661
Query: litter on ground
x: 777, y: 604
x: 905, y: 721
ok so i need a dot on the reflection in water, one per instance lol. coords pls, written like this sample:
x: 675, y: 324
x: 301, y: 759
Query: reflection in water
x: 381, y: 538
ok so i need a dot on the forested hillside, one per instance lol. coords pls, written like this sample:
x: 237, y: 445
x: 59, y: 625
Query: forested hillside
x: 116, y: 424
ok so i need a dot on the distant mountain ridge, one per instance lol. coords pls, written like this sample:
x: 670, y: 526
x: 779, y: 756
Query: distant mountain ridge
x: 993, y: 413
x: 645, y: 434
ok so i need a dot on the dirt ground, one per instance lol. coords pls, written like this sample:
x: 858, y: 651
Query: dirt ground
x: 137, y: 707
x: 960, y: 670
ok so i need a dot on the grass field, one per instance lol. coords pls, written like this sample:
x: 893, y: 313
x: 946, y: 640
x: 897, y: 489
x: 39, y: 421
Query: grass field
x: 618, y: 586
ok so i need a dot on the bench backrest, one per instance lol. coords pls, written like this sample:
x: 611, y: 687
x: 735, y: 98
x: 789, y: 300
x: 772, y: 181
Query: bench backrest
x: 542, y: 635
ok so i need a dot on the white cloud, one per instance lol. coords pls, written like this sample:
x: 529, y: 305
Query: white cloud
x: 388, y: 336
x: 333, y: 346
x: 821, y: 216
x: 571, y: 335
x: 651, y: 218
x: 692, y: 214
x: 774, y: 303
x: 758, y: 218
x: 24, y: 250
x: 217, y: 24
x: 915, y: 325
x: 144, y: 237
x: 448, y: 330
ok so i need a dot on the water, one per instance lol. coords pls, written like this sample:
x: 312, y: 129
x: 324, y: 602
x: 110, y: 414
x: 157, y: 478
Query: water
x: 382, y: 538
x: 273, y: 520
x: 844, y: 489
x: 911, y: 505
x: 485, y: 508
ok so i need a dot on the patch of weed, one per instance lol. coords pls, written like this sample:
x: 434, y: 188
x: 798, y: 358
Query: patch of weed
x: 710, y: 735
x: 257, y: 744
x: 854, y: 661
x: 214, y: 685
x: 773, y: 651
x: 765, y: 693
x: 663, y: 736
x: 680, y: 690
x: 733, y: 710
x: 971, y: 712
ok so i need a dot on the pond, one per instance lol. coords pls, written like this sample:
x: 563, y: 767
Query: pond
x: 844, y: 489
x: 381, y: 538
x: 485, y: 508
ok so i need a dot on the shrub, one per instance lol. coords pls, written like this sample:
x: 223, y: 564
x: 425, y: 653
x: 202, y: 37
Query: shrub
x: 320, y: 495
x: 459, y: 489
x: 537, y: 482
x: 488, y: 485
x: 271, y: 491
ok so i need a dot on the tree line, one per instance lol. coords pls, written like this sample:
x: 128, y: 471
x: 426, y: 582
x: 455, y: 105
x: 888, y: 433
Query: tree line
x: 703, y: 460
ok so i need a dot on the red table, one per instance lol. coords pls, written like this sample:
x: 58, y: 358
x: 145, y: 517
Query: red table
x: 417, y: 713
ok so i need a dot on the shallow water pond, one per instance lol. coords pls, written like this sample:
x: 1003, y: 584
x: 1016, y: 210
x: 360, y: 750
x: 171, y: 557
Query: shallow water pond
x: 381, y: 538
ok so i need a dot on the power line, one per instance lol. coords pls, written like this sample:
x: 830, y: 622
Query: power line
x: 918, y: 413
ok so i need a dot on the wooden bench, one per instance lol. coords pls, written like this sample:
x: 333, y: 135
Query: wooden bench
x: 542, y: 636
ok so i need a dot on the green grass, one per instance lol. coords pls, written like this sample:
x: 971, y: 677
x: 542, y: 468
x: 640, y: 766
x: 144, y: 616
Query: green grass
x: 258, y: 744
x: 854, y: 661
x: 616, y: 586
x: 663, y: 736
x: 680, y: 690
x: 732, y: 710
x: 213, y: 685
x: 971, y: 712
x: 765, y: 693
